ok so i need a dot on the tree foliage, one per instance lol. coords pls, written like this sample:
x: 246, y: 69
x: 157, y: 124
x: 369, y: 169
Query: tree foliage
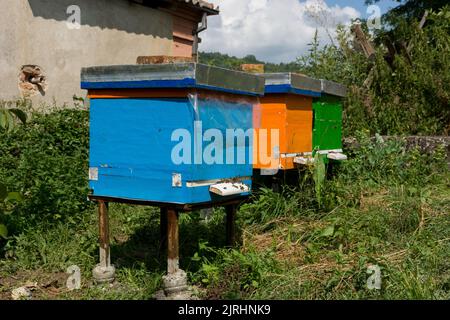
x: 411, y: 9
x: 409, y: 94
x: 234, y: 63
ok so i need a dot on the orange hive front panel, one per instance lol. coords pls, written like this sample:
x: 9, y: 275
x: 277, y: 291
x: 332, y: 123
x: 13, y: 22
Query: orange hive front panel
x: 292, y: 115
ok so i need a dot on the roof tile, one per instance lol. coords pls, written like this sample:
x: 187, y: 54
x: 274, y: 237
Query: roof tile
x: 201, y: 4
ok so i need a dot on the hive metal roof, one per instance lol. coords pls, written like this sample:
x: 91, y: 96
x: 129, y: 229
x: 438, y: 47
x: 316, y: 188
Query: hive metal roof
x: 292, y: 83
x: 172, y: 75
x: 333, y: 88
x: 301, y: 84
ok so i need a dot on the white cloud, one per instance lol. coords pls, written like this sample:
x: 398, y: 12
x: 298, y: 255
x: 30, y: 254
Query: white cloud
x: 273, y: 30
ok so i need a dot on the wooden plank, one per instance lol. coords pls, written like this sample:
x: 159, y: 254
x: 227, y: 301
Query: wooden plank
x: 180, y: 207
x: 182, y: 47
x: 173, y: 252
x: 103, y: 224
x: 163, y: 59
x: 252, y: 68
x: 362, y: 40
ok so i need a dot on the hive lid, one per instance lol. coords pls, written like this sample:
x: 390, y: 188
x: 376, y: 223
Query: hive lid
x: 333, y: 88
x: 292, y: 83
x: 174, y: 75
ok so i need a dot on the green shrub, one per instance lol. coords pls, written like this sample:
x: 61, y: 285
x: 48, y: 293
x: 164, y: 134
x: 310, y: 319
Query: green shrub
x: 232, y: 274
x: 8, y: 119
x: 383, y: 164
x: 46, y: 160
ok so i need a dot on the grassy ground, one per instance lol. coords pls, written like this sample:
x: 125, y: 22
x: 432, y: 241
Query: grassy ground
x: 309, y: 256
x: 384, y: 207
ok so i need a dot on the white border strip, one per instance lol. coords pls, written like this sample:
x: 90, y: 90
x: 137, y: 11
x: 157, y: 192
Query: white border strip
x: 330, y: 151
x: 293, y: 155
x: 205, y: 183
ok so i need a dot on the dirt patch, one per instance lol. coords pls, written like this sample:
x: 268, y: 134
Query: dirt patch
x: 43, y: 285
x: 287, y: 241
x: 374, y: 200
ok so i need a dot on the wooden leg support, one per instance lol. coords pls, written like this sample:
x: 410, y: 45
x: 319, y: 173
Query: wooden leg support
x: 231, y: 224
x: 173, y: 252
x: 175, y: 282
x: 275, y: 184
x: 104, y: 271
x: 103, y: 226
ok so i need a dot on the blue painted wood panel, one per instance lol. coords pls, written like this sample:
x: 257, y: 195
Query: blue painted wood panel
x: 130, y: 144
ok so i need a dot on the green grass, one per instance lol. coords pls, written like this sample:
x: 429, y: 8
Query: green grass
x: 385, y: 207
x: 308, y: 255
x: 326, y: 256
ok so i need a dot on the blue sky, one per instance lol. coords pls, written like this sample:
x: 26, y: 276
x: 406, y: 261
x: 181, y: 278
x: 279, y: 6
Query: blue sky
x: 385, y: 5
x: 279, y: 30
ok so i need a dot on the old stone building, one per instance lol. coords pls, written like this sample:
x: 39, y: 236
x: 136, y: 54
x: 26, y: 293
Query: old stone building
x: 45, y: 43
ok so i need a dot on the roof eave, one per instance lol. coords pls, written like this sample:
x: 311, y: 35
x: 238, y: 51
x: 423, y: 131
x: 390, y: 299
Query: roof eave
x: 201, y: 5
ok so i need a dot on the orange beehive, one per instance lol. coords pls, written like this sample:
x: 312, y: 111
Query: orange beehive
x: 285, y: 120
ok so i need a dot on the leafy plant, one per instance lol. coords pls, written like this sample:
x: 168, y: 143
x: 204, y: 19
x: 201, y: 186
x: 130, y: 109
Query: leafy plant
x: 46, y: 161
x: 319, y: 173
x: 245, y: 272
x: 8, y: 120
x: 3, y: 196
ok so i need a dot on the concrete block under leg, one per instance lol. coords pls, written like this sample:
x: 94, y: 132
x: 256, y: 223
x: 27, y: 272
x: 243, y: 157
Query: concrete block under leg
x: 175, y: 283
x: 104, y: 274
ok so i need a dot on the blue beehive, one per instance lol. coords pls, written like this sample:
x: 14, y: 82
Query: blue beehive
x: 145, y: 126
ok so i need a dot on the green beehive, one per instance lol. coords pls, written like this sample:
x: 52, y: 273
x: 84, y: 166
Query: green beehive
x: 327, y: 127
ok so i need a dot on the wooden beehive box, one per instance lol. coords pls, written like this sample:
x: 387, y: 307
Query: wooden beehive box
x: 139, y: 114
x: 287, y: 107
x: 327, y: 129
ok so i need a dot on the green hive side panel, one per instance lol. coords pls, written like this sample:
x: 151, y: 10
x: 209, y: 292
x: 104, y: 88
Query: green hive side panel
x: 327, y: 130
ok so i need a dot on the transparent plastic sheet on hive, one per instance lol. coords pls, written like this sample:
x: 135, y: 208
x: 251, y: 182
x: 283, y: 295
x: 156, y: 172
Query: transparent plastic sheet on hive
x: 232, y: 116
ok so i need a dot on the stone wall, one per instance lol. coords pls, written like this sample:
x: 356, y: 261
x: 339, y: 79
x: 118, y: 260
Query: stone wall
x: 35, y: 33
x: 423, y: 143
